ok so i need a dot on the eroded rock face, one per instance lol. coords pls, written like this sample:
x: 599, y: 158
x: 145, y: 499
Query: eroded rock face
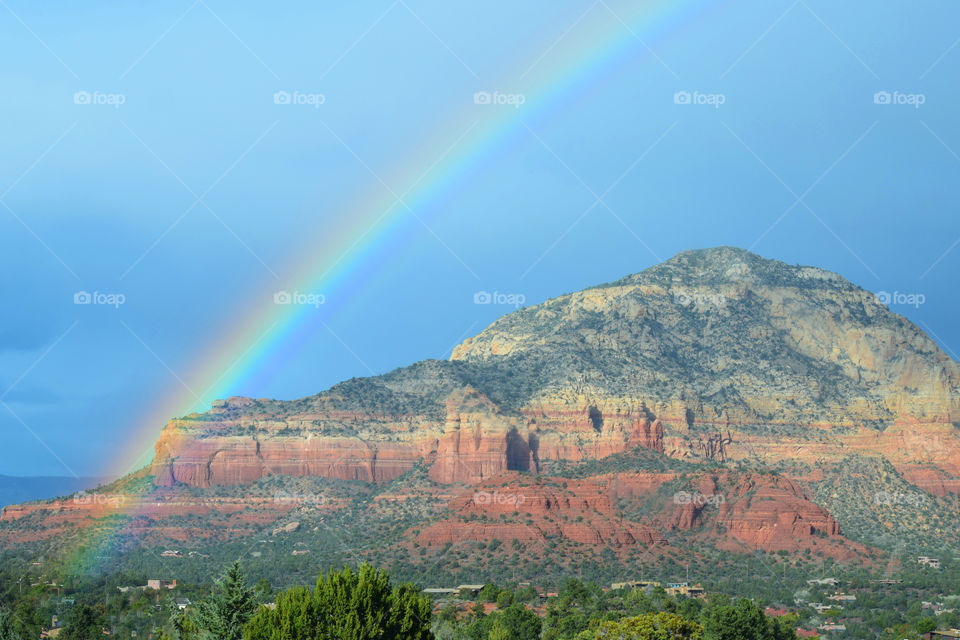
x: 771, y: 512
x: 580, y: 512
x: 738, y: 512
x: 477, y: 440
x: 206, y: 461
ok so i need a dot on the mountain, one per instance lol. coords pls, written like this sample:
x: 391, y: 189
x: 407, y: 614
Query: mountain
x: 718, y: 401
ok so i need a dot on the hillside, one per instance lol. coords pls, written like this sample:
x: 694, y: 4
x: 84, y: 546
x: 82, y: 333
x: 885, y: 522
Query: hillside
x: 717, y: 401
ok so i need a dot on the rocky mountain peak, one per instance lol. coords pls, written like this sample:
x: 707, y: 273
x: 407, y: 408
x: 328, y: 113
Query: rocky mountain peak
x: 725, y: 332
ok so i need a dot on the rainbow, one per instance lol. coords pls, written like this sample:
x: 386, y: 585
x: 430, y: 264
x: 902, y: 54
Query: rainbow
x: 268, y: 332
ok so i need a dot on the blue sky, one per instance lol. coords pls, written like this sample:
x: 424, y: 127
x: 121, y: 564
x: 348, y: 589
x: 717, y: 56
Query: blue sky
x: 799, y: 163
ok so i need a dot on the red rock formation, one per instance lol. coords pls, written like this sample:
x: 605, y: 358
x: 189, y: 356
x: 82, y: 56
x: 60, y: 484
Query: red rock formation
x: 478, y: 442
x: 581, y: 512
x: 931, y: 479
x: 149, y: 515
x: 202, y: 462
x: 740, y: 513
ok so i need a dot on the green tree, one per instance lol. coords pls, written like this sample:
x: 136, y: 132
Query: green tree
x: 489, y: 592
x: 650, y: 626
x: 223, y: 614
x: 7, y: 632
x: 527, y: 594
x: 84, y: 623
x: 518, y: 623
x: 263, y: 588
x: 184, y: 628
x: 345, y: 605
x: 926, y: 625
x: 743, y: 620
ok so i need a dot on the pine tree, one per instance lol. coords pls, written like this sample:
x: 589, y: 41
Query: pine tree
x: 223, y: 615
x: 346, y: 605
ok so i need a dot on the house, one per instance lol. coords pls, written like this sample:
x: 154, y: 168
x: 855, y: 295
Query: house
x: 156, y: 585
x: 833, y: 627
x: 633, y: 584
x: 776, y: 613
x: 684, y: 589
x: 933, y: 563
x: 182, y: 603
x: 170, y: 553
x: 470, y: 588
x: 299, y: 552
x: 820, y: 608
x: 440, y: 591
x: 942, y: 635
x: 833, y: 582
x: 843, y: 597
x: 806, y: 633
